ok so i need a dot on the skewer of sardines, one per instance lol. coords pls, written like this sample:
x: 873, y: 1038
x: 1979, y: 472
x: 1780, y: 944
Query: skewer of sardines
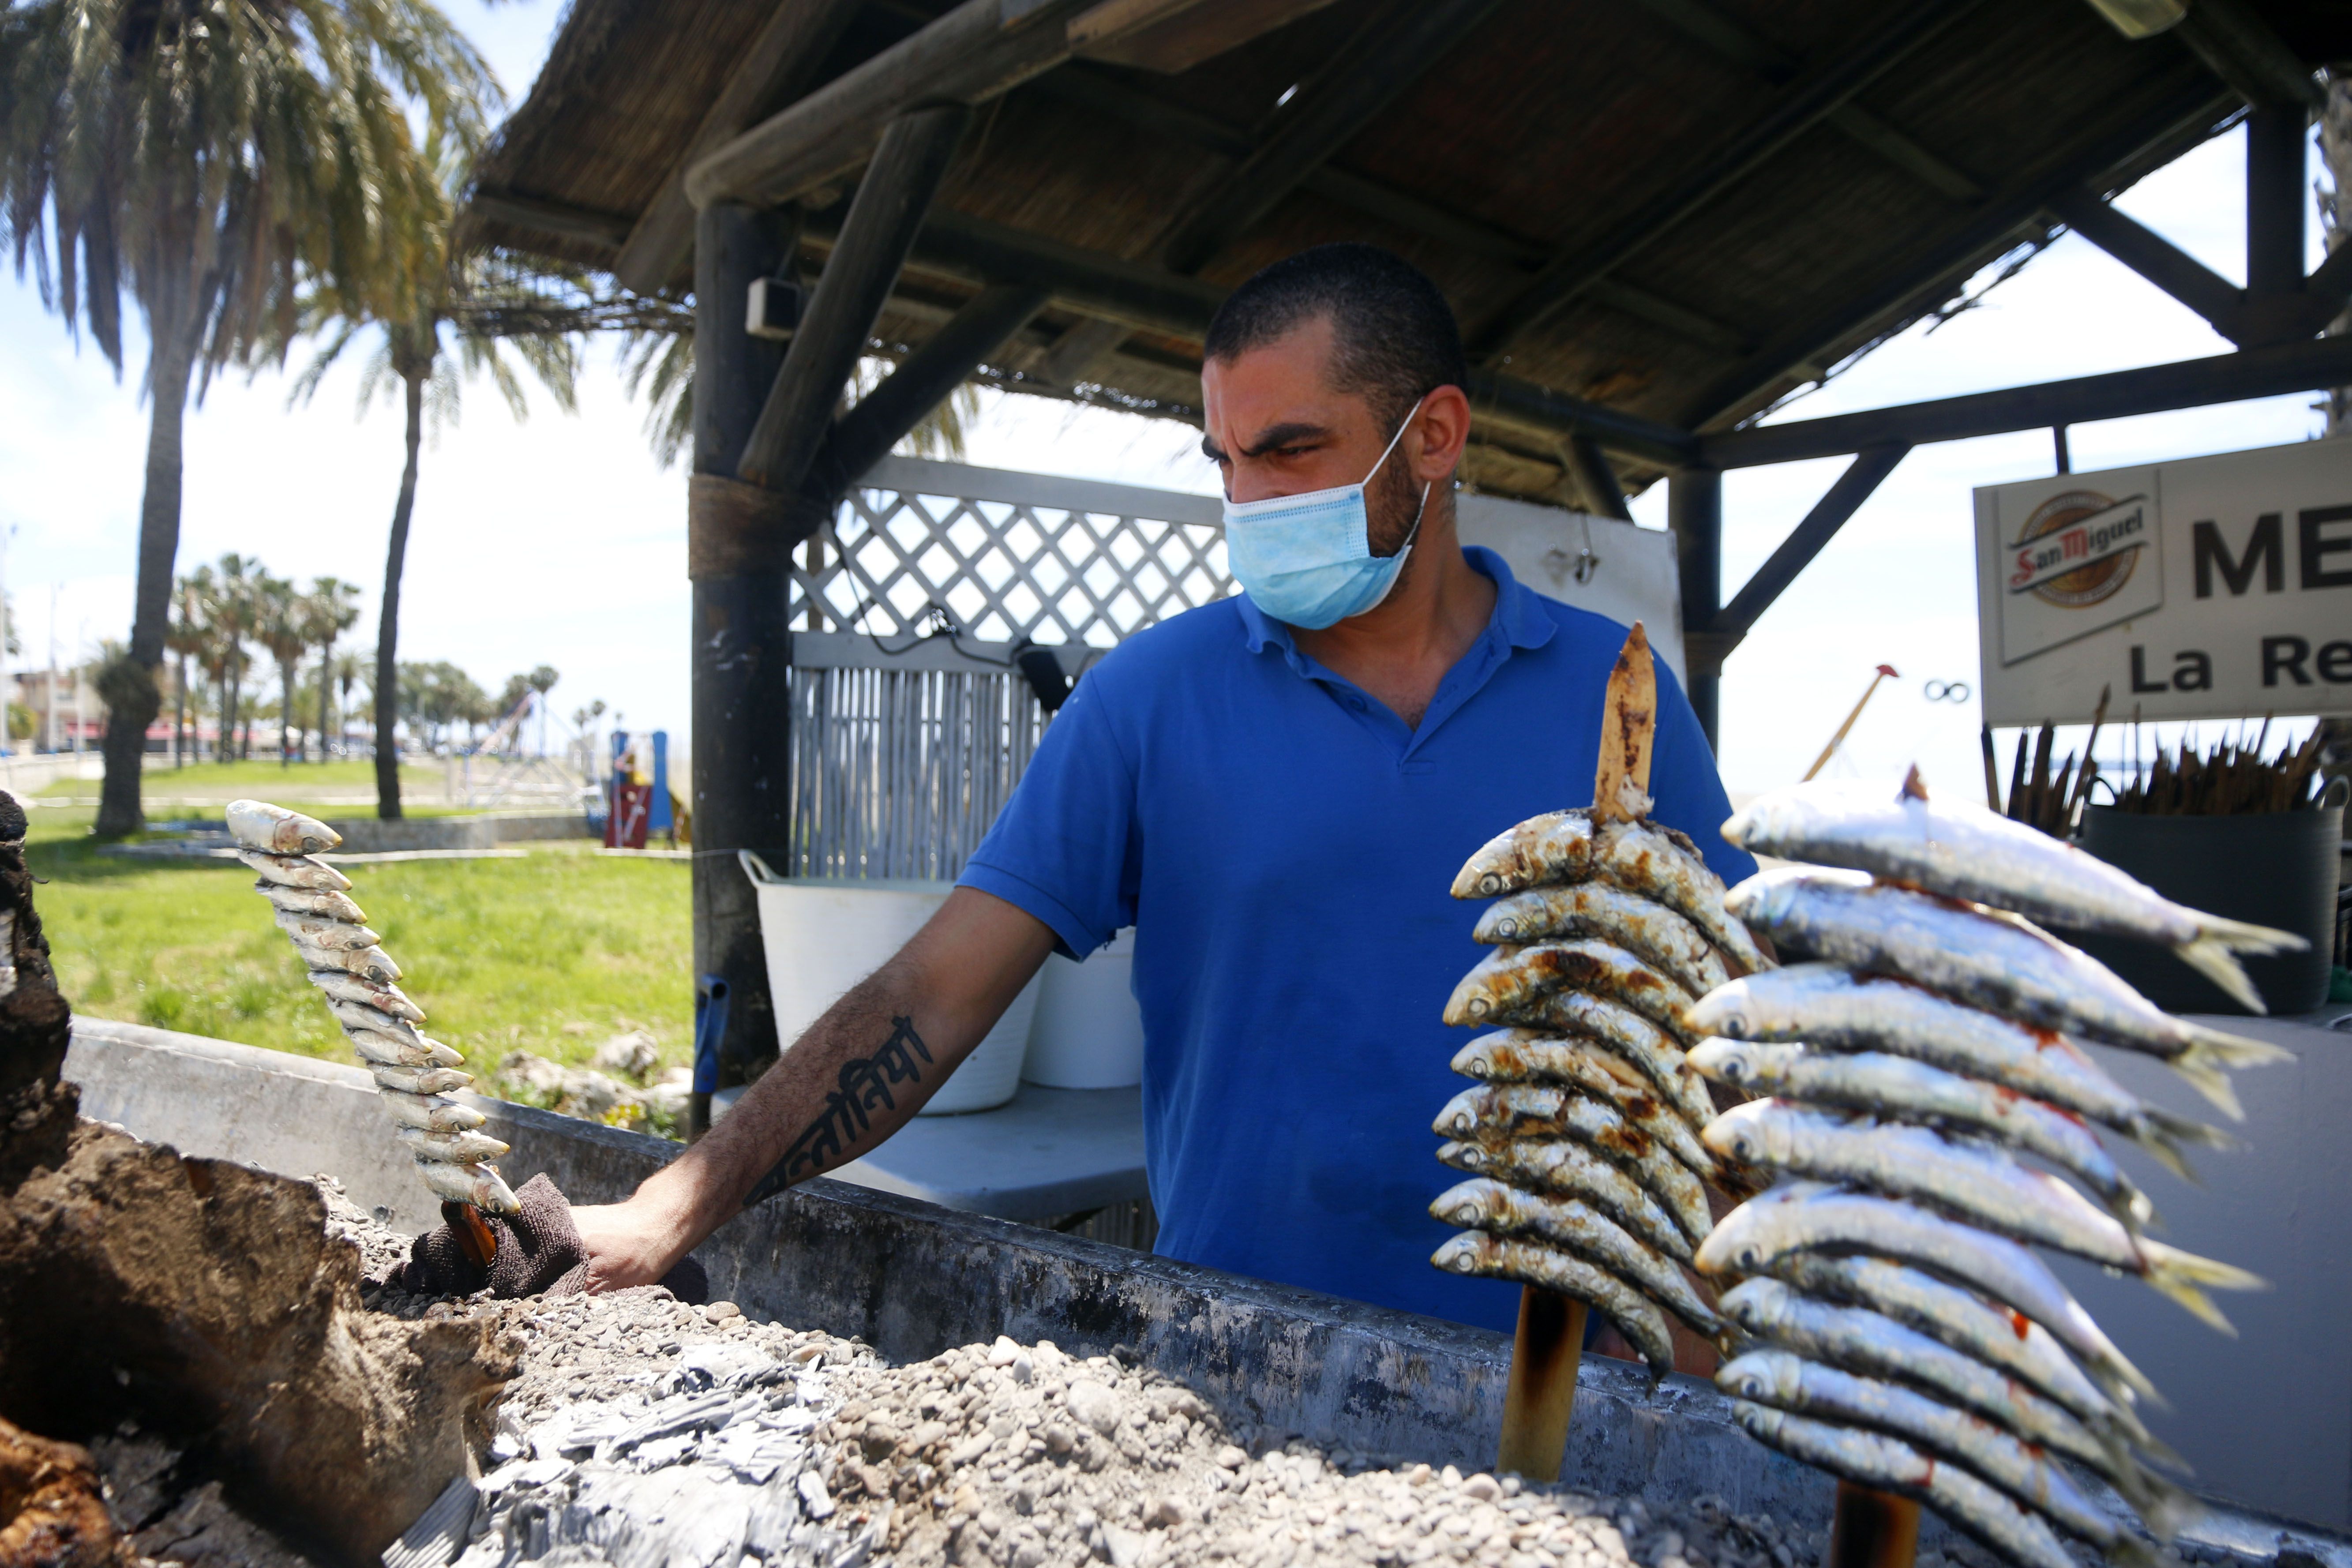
x: 1581, y: 1138
x: 347, y: 962
x: 1904, y: 1335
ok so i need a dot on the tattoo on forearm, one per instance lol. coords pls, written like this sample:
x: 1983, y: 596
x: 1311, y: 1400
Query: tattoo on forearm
x: 864, y: 1083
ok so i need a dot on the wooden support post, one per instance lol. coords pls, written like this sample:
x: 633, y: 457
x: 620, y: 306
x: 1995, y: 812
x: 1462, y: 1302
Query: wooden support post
x: 2274, y: 200
x: 857, y: 279
x: 1694, y: 513
x: 1873, y: 1530
x: 741, y: 654
x: 1542, y: 1395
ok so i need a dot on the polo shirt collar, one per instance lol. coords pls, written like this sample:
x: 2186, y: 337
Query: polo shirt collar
x: 1518, y: 617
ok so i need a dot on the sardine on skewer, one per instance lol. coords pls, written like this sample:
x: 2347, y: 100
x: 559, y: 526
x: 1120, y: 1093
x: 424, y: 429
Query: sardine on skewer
x: 418, y: 1079
x: 1566, y: 846
x: 1508, y: 981
x: 1572, y: 1170
x: 1831, y: 1009
x: 1989, y: 959
x: 321, y: 931
x: 1600, y: 1075
x: 294, y: 870
x: 324, y: 901
x: 1960, y: 850
x: 344, y: 991
x: 1527, y: 1263
x: 456, y: 1147
x: 273, y: 829
x: 1485, y: 1203
x: 1654, y: 1052
x: 1496, y: 1116
x: 2018, y: 1348
x: 1649, y: 930
x: 1976, y: 1182
x: 378, y: 1049
x: 1806, y: 1216
x: 1859, y: 1340
x: 367, y: 962
x: 429, y: 1113
x: 1790, y: 1383
x: 1914, y: 1091
x: 1888, y: 1464
x: 1517, y: 1107
x: 478, y: 1185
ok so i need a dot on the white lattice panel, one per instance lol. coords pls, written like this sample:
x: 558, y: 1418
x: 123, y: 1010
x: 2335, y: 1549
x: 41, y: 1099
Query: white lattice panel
x: 1008, y: 556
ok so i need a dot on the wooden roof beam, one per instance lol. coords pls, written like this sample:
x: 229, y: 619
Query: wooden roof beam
x: 1803, y: 107
x: 1149, y: 299
x: 1845, y: 496
x: 561, y: 220
x: 975, y: 53
x: 2155, y: 258
x: 780, y: 64
x: 1595, y: 479
x: 863, y: 437
x: 1809, y: 344
x: 2153, y: 389
x: 1703, y: 23
x: 1091, y: 89
x: 2245, y: 51
x: 1327, y: 113
x: 858, y: 275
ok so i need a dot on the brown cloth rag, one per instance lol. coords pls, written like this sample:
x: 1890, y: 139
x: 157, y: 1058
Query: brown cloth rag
x: 540, y: 1252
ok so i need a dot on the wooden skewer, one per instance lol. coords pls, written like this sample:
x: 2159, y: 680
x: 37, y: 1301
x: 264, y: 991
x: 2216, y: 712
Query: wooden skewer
x: 1542, y: 1395
x: 1873, y: 1530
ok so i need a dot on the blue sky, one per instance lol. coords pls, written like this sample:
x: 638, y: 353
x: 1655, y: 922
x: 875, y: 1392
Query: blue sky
x: 559, y: 540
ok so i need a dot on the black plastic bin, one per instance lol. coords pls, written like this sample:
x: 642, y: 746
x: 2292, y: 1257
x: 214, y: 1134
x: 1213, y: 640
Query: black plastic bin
x: 2273, y: 868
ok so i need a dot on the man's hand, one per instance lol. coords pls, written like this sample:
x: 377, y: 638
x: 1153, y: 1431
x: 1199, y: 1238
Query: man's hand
x: 631, y: 1243
x: 920, y: 1015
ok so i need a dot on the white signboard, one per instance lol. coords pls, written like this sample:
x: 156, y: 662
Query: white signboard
x: 2209, y: 588
x: 1596, y: 564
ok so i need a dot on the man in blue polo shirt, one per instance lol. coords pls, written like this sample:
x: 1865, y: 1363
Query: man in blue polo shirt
x: 1276, y: 791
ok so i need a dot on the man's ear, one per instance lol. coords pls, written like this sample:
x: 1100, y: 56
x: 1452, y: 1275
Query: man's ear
x: 1443, y: 430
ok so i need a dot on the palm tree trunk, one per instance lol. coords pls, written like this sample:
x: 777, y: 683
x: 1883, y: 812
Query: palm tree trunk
x: 387, y: 631
x: 179, y: 716
x: 326, y: 682
x: 287, y: 733
x: 132, y: 699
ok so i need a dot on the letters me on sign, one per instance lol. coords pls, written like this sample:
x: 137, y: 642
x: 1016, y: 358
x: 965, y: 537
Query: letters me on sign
x: 2209, y: 588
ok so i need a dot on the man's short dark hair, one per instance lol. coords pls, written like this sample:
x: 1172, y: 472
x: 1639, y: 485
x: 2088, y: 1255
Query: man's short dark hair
x: 1394, y: 338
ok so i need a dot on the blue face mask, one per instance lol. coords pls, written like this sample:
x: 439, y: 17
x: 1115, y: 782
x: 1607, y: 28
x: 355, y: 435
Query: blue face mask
x: 1307, y: 558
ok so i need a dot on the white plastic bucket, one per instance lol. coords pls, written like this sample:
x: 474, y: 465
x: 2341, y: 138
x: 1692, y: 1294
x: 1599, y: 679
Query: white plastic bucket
x: 825, y: 934
x: 1089, y: 1028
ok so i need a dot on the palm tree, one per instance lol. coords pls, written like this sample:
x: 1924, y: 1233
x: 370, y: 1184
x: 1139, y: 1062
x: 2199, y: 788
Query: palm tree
x: 461, y: 310
x: 186, y: 640
x: 350, y: 669
x: 222, y: 612
x: 211, y: 157
x: 283, y: 629
x: 542, y: 681
x: 330, y: 609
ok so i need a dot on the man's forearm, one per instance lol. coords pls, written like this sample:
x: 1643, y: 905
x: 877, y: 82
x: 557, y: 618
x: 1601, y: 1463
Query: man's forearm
x: 853, y: 1080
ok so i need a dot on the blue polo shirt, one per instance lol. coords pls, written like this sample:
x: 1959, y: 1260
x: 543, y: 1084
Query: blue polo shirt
x: 1282, y: 843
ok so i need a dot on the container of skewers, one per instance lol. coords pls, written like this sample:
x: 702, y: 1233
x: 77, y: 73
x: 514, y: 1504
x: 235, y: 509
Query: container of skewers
x: 1930, y: 1111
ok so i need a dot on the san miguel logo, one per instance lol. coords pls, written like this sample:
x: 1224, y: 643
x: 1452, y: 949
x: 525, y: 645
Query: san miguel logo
x: 2079, y: 547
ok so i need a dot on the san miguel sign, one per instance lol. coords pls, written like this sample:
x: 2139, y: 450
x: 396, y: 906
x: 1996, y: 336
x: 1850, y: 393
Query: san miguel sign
x: 2210, y: 588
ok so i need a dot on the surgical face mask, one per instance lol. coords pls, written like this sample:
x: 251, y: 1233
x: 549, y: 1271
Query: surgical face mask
x: 1307, y: 558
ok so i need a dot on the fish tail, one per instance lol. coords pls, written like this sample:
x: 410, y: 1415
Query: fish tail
x: 2234, y: 1050
x: 2239, y: 937
x: 2206, y: 1077
x: 2161, y: 1134
x: 2184, y: 1277
x: 2217, y: 963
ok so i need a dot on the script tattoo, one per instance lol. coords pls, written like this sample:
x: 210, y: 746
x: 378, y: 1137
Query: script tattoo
x: 864, y: 1084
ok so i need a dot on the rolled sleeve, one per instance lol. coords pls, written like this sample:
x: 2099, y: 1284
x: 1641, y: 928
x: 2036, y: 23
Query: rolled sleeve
x: 1064, y: 849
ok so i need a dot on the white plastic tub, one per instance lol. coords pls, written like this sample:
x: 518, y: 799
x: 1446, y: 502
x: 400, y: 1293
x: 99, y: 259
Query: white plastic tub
x: 822, y: 935
x: 1089, y: 1030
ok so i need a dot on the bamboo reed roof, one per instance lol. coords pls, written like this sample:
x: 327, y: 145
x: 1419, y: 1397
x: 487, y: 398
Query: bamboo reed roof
x: 1713, y: 260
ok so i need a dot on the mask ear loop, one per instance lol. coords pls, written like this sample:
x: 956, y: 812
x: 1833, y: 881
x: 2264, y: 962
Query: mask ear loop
x: 1414, y: 532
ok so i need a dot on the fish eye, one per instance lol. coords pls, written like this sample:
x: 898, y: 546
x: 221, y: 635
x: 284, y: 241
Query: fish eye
x: 1751, y: 1259
x: 1490, y: 884
x: 1733, y: 1029
x: 1731, y: 1069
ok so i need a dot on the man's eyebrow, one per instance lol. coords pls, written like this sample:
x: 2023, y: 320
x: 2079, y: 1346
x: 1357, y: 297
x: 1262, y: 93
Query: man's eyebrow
x: 1273, y: 436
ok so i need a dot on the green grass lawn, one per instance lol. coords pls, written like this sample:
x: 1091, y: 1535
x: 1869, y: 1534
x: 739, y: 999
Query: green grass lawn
x: 324, y: 789
x: 553, y: 952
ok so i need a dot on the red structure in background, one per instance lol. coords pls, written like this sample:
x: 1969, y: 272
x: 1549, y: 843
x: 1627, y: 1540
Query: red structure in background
x: 625, y: 825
